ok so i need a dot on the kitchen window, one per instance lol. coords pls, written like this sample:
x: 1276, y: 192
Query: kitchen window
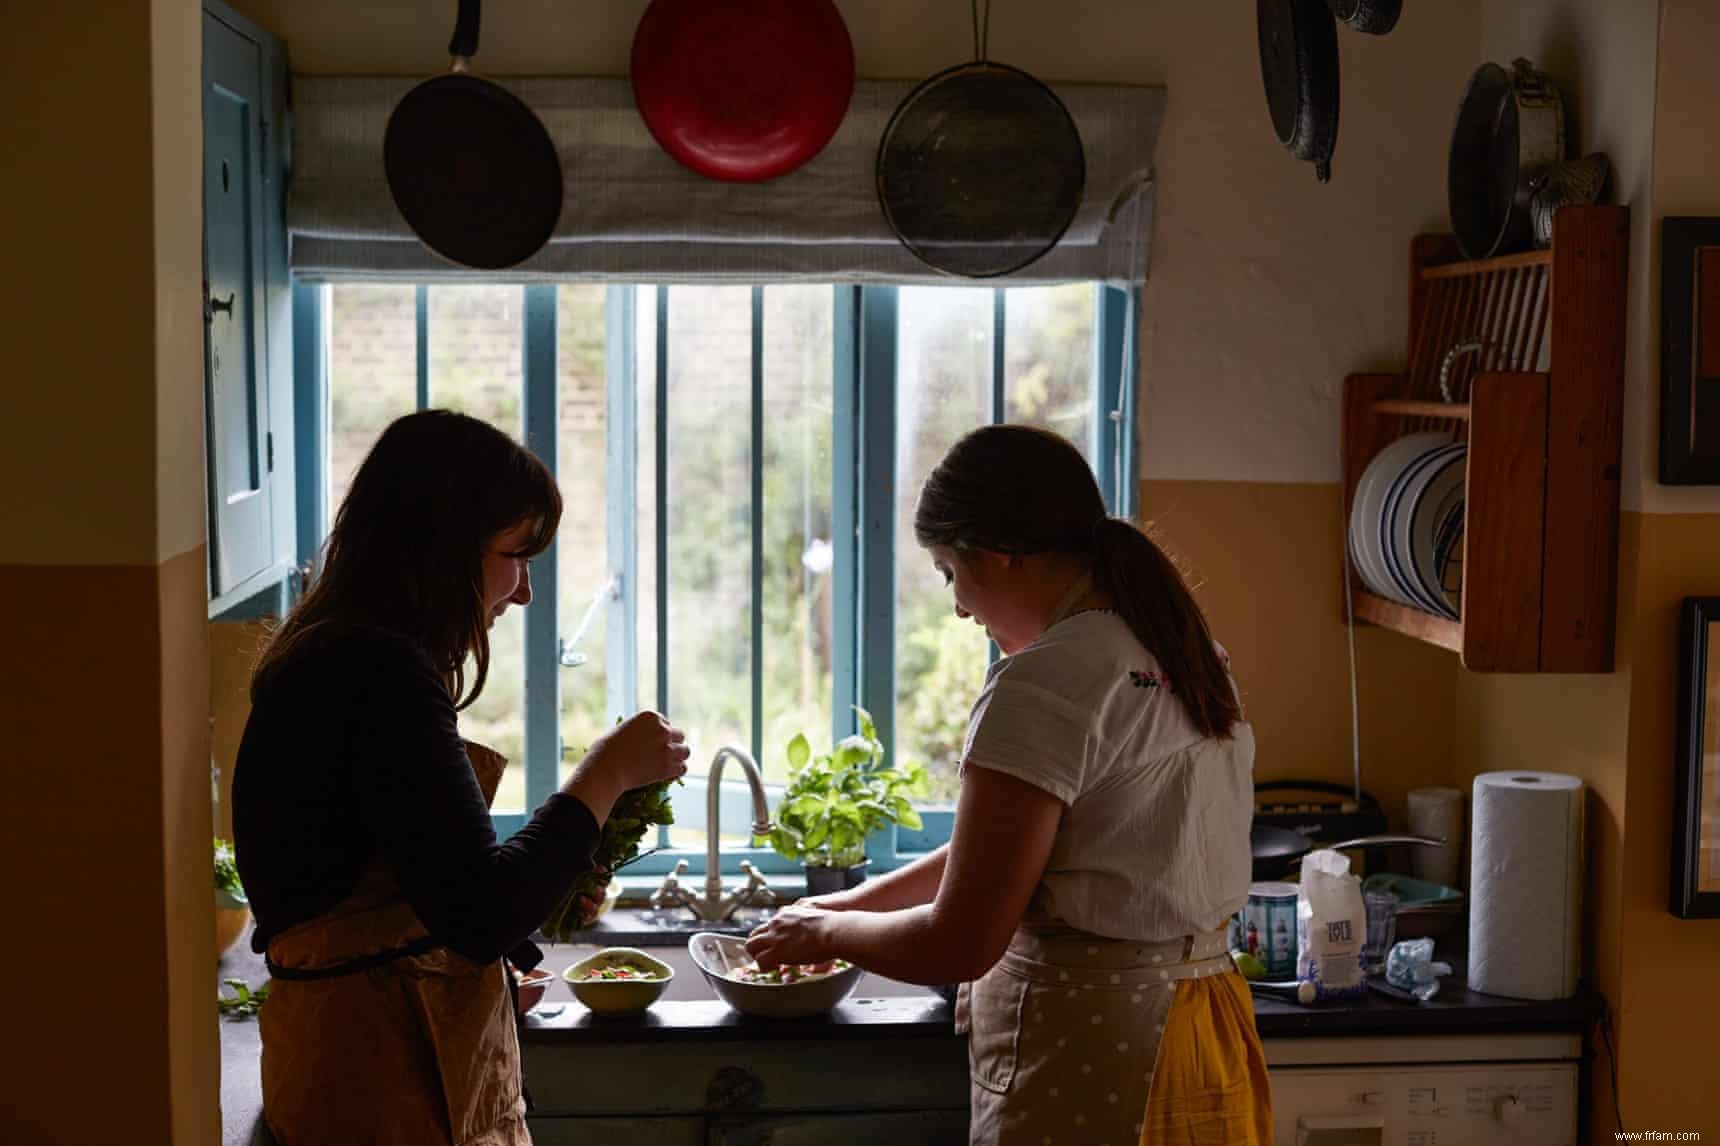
x: 739, y: 466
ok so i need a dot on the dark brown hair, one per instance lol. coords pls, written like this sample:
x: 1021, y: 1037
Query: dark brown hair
x: 407, y: 549
x: 1017, y: 489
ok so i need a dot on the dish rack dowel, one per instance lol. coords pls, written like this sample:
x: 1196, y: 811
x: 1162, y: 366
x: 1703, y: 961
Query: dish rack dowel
x: 1523, y: 355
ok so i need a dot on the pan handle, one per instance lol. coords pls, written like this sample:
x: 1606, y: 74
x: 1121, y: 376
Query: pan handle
x: 464, y: 45
x: 1386, y: 841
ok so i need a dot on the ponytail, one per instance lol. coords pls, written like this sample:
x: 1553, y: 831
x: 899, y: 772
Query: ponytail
x: 1020, y: 489
x: 1152, y: 598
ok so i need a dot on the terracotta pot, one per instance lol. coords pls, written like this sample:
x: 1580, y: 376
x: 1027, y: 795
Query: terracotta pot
x: 229, y: 925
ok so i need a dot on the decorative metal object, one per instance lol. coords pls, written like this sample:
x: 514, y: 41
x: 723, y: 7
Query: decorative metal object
x: 1576, y: 183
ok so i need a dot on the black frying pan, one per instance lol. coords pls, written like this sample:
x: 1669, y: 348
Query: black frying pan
x: 1375, y: 17
x: 1277, y: 851
x: 471, y: 169
x: 1299, y: 65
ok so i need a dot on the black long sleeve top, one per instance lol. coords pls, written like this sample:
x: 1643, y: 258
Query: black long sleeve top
x: 352, y: 753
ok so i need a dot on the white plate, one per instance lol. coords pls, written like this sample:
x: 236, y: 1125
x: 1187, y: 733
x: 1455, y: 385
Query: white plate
x: 1369, y: 499
x: 1439, y: 497
x: 1395, y: 527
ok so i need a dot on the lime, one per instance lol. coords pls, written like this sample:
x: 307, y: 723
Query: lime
x: 1250, y: 965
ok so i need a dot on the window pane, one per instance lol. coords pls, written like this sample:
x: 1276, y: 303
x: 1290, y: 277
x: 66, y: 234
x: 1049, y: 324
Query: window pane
x: 476, y: 344
x: 373, y: 373
x: 798, y: 406
x: 943, y: 390
x: 645, y: 485
x: 581, y: 468
x: 1048, y: 360
x: 709, y: 536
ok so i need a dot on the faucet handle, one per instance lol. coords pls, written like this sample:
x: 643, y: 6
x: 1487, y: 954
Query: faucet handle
x: 670, y: 893
x: 757, y: 892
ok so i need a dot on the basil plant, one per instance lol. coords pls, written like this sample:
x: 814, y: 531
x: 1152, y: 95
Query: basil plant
x: 833, y: 801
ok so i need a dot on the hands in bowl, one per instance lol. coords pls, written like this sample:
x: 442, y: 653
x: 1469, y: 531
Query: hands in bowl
x: 799, y: 933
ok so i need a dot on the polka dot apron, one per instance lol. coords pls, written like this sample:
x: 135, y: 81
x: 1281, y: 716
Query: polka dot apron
x: 1065, y: 1034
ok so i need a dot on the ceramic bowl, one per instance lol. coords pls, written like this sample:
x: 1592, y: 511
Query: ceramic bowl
x: 532, y: 984
x: 618, y: 996
x: 717, y: 955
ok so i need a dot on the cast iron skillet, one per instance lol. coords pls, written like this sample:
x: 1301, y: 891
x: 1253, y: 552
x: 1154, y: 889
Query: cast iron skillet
x: 1375, y: 17
x: 1277, y: 851
x: 471, y: 169
x: 981, y: 169
x: 1299, y: 65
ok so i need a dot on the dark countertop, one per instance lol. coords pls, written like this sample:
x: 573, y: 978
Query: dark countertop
x: 1456, y: 1010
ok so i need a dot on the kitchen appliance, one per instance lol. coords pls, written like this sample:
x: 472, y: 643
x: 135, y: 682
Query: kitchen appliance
x: 1299, y: 66
x: 980, y: 169
x: 471, y: 169
x: 1510, y: 129
x: 1321, y: 810
x: 1445, y: 1090
x: 742, y: 90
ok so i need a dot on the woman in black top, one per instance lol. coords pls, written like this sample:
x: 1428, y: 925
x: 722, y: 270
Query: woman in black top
x: 383, y: 899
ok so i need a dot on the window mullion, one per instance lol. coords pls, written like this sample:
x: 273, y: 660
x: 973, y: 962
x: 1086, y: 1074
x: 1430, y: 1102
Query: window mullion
x: 999, y: 317
x: 1112, y: 406
x: 757, y: 525
x: 845, y: 509
x: 421, y: 344
x: 877, y: 487
x: 542, y: 652
x: 311, y: 414
x: 660, y: 433
x: 621, y: 677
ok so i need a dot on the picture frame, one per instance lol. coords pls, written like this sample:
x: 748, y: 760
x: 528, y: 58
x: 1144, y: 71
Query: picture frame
x: 1690, y: 350
x: 1695, y: 888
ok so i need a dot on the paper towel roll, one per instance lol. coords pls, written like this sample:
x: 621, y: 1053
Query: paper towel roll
x: 1526, y: 884
x: 1437, y: 812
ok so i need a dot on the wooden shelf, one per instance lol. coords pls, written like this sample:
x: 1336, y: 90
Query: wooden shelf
x: 1543, y: 375
x: 1445, y: 411
x: 1470, y: 268
x: 1423, y: 626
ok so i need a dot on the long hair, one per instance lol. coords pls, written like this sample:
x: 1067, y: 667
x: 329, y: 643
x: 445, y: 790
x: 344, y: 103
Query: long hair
x: 407, y: 549
x: 1017, y: 489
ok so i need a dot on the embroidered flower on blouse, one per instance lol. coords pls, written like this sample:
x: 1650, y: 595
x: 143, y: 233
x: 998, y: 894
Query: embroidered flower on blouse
x: 1145, y: 679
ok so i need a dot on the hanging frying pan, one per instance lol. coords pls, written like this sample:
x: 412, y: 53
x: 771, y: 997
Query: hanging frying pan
x: 1299, y: 64
x: 1375, y: 17
x: 980, y: 169
x: 742, y: 90
x: 471, y: 169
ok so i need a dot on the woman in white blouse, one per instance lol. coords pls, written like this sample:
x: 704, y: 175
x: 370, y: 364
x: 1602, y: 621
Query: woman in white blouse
x: 1101, y: 835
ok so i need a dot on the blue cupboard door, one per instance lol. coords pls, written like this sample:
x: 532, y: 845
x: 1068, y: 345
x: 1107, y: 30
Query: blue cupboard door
x: 235, y: 336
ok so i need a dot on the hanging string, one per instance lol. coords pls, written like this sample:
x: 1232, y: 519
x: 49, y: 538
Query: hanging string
x: 981, y: 38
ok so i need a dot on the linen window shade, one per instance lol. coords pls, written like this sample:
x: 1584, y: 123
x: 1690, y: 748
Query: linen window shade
x: 633, y: 214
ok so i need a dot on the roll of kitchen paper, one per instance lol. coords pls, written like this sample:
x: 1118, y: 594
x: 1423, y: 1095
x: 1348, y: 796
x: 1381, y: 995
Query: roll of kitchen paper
x: 1526, y: 884
x: 1437, y: 812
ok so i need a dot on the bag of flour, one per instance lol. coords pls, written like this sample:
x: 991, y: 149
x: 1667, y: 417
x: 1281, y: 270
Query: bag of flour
x: 1333, y: 927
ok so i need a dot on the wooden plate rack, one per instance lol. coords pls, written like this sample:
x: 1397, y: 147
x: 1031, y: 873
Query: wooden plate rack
x: 1524, y: 356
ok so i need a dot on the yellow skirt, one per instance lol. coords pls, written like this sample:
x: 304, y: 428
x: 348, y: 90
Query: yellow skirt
x: 1209, y: 1083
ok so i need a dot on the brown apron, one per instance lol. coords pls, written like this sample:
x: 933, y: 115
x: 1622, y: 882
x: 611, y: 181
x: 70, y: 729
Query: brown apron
x: 398, y: 1050
x: 1064, y: 1033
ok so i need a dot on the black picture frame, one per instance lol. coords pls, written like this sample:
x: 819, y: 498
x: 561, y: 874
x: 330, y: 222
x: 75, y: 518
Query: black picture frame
x: 1690, y: 350
x: 1695, y: 889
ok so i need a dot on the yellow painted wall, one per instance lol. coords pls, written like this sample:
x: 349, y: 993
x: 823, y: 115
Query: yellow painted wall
x: 104, y: 693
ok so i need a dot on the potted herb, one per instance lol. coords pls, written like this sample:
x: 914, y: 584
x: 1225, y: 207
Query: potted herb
x: 833, y: 801
x: 232, y: 909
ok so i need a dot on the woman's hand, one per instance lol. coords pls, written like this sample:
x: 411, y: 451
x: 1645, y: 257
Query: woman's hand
x: 590, y: 905
x: 642, y: 750
x: 799, y: 933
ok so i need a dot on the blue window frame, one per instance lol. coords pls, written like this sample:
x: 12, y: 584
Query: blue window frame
x: 864, y: 511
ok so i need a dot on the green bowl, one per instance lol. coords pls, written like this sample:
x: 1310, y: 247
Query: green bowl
x: 618, y: 996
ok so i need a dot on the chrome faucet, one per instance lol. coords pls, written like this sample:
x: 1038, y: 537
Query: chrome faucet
x: 715, y: 906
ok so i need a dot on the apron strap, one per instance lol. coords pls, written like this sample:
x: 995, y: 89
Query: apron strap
x: 351, y: 966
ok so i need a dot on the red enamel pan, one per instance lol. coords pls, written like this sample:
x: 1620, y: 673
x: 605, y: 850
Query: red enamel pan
x: 742, y: 90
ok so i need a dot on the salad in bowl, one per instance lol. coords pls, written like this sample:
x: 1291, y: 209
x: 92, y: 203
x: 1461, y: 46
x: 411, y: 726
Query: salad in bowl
x: 790, y: 991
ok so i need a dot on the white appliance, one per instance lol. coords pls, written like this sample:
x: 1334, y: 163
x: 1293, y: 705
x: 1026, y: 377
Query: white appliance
x: 1425, y: 1090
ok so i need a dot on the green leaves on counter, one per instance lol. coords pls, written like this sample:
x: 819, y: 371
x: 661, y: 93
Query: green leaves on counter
x: 244, y: 1002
